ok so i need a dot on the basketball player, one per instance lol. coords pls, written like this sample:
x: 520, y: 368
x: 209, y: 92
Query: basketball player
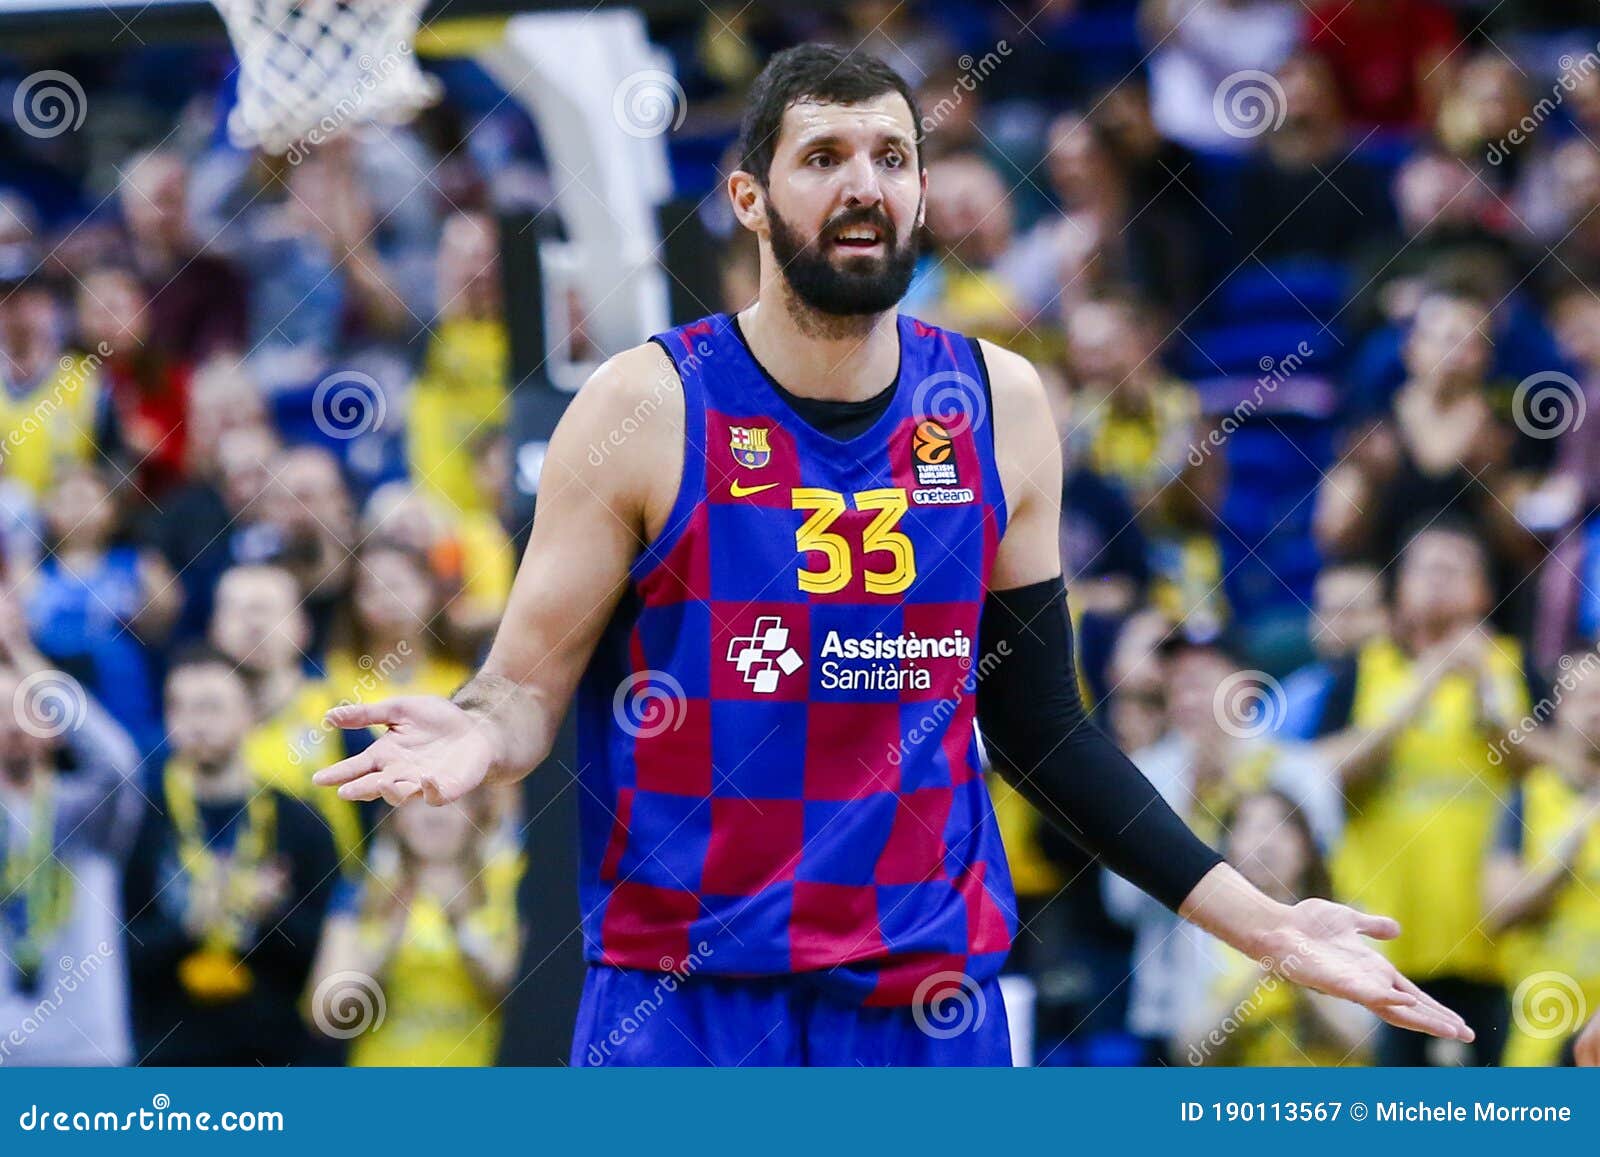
x: 785, y: 560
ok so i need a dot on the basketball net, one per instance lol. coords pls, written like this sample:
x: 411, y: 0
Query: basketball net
x: 308, y: 69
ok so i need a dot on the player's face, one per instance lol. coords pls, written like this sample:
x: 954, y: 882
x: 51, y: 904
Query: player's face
x: 844, y: 204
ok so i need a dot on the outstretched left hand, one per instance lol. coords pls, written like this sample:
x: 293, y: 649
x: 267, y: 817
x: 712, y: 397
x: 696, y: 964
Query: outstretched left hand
x: 1323, y: 945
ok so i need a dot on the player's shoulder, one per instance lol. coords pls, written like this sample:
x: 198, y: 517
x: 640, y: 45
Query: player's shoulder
x: 637, y: 373
x: 637, y: 389
x: 1017, y: 394
x: 1010, y: 374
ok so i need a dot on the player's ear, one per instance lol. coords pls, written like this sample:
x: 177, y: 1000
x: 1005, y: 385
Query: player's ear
x: 749, y: 201
x: 922, y: 201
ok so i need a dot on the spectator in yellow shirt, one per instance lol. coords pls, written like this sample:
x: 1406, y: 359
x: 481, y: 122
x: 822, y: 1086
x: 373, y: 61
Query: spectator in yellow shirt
x: 1409, y: 727
x: 464, y: 383
x: 259, y: 622
x: 1241, y: 1013
x: 1542, y: 882
x: 434, y: 932
x: 48, y: 399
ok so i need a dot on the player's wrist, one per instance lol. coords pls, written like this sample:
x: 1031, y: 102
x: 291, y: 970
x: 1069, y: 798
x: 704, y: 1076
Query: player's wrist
x: 1228, y: 906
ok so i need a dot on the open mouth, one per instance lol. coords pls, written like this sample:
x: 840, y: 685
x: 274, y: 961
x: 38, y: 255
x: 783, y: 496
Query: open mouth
x: 858, y: 238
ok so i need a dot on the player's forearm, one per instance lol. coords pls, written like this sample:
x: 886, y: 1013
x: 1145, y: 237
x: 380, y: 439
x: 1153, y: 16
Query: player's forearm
x: 1043, y: 742
x: 1238, y: 913
x: 520, y: 724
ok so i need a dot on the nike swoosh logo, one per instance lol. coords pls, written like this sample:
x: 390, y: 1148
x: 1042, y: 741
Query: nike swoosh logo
x: 739, y: 490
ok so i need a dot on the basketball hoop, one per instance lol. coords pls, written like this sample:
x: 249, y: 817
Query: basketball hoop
x: 308, y: 69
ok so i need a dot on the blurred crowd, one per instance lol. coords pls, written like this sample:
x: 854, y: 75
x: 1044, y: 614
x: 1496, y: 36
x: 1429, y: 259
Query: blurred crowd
x: 1313, y: 287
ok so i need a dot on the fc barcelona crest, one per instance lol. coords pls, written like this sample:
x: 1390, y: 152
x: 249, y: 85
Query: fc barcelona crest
x: 749, y: 445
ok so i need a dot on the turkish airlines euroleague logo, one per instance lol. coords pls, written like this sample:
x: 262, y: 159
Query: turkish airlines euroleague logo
x: 933, y: 455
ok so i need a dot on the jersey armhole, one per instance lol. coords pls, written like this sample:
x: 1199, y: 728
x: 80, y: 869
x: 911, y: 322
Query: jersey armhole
x: 1002, y: 507
x: 687, y: 497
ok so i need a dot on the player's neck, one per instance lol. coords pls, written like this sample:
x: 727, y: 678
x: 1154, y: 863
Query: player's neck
x: 814, y: 355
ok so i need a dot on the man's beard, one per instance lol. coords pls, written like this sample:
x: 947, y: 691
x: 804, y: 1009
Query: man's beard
x: 865, y: 286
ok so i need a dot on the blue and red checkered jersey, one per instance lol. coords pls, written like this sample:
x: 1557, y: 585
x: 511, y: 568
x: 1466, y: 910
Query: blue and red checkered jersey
x: 778, y: 762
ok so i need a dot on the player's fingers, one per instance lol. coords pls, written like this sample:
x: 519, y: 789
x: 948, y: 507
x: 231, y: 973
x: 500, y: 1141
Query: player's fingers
x: 1407, y: 985
x: 1377, y: 927
x: 386, y: 711
x: 1418, y: 1020
x: 389, y: 785
x: 397, y: 791
x: 1587, y: 1051
x: 433, y: 792
x: 346, y: 770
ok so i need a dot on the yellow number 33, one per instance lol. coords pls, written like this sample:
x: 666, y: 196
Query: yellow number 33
x: 889, y: 505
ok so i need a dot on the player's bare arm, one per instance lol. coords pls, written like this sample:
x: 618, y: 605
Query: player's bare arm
x: 607, y: 484
x: 1317, y: 943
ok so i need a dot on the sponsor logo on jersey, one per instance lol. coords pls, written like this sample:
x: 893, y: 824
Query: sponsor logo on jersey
x: 884, y: 662
x: 941, y: 496
x: 749, y: 445
x: 932, y: 455
x: 764, y: 655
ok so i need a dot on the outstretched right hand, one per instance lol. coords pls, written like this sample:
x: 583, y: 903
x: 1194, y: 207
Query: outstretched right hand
x: 432, y: 748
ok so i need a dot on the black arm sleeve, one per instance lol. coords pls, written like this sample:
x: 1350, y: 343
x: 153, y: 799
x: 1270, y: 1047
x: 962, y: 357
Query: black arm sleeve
x: 1042, y: 741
